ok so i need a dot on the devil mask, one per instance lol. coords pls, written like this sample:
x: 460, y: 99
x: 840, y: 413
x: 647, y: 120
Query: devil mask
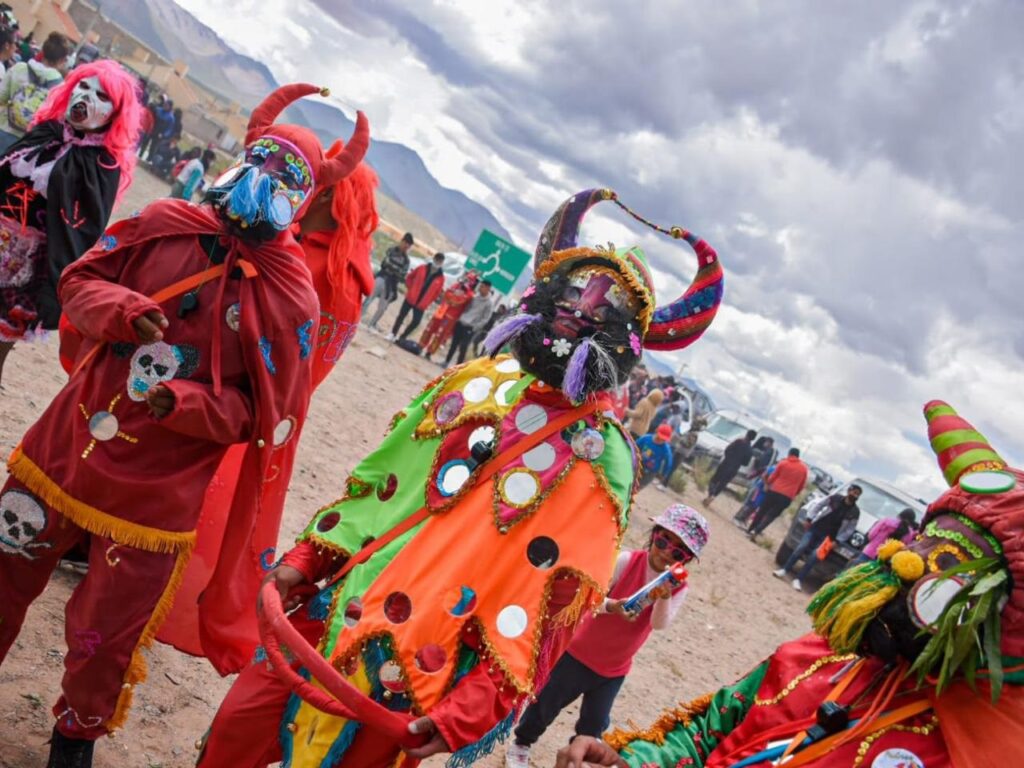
x: 584, y: 322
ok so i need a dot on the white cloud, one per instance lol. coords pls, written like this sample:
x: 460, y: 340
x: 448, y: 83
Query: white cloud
x: 857, y: 168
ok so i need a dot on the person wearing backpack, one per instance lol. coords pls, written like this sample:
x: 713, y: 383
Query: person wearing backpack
x: 58, y: 185
x: 26, y: 85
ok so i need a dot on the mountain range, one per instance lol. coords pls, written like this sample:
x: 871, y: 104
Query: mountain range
x: 175, y: 34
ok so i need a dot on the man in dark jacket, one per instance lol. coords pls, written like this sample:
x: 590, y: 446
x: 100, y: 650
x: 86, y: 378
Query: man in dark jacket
x: 393, y: 270
x: 737, y: 453
x: 824, y: 521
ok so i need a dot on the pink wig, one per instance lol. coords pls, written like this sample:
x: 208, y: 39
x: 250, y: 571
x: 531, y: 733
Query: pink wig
x: 122, y: 135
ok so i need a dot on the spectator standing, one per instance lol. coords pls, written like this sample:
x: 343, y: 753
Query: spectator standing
x: 422, y: 286
x: 188, y: 178
x: 26, y: 85
x: 393, y: 270
x: 782, y: 485
x: 454, y: 302
x: 176, y: 125
x: 641, y: 416
x: 824, y: 520
x: 737, y: 453
x: 8, y: 47
x: 473, y: 318
x: 637, y: 385
x: 655, y: 449
x: 902, y: 528
x: 764, y: 453
x: 481, y: 334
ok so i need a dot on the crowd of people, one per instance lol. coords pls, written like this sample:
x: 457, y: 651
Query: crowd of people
x: 194, y: 337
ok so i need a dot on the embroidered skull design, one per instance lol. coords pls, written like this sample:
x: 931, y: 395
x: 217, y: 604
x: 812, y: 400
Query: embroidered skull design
x: 22, y: 519
x: 155, y: 363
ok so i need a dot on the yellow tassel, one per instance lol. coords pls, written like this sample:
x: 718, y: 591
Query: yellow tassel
x: 908, y: 565
x: 93, y: 520
x: 136, y: 672
x: 585, y: 598
x: 888, y: 549
x: 846, y: 630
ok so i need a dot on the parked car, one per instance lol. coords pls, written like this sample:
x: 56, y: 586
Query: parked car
x: 725, y: 426
x: 879, y: 500
x: 821, y: 479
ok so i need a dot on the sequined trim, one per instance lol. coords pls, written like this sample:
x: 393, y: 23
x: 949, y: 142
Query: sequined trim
x: 793, y: 684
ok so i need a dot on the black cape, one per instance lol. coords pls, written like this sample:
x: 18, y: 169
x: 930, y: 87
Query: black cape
x: 79, y: 200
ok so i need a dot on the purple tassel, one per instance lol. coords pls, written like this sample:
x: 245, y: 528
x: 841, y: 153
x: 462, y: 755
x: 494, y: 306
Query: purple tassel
x: 506, y: 330
x: 576, y: 372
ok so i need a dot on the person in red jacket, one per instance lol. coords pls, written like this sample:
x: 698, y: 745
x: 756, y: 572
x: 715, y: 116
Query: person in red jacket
x: 336, y: 238
x: 422, y: 286
x: 441, y: 325
x: 781, y: 486
x: 199, y: 324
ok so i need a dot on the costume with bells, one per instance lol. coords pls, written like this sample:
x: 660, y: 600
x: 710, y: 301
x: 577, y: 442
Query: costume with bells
x: 235, y: 356
x: 916, y: 661
x: 466, y: 548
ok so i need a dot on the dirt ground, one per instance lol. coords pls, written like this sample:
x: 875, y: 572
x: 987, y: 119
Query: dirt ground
x: 735, y: 613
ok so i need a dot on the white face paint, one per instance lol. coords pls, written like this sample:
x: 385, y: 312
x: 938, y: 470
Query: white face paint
x: 90, y: 107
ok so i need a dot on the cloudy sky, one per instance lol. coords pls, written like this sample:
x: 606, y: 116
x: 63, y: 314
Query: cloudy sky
x: 858, y: 166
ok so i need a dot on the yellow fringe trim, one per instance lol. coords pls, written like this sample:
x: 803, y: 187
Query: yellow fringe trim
x: 848, y: 626
x: 137, y: 671
x: 682, y: 715
x: 586, y: 598
x: 93, y: 520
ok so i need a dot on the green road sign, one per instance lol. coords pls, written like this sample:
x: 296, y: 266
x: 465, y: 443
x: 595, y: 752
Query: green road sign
x: 497, y: 260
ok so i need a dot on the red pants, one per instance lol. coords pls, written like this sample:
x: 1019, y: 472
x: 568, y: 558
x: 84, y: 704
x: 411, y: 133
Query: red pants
x: 105, y: 618
x: 437, y: 332
x: 244, y: 733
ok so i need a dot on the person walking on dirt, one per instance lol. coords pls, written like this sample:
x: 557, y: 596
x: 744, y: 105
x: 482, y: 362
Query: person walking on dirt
x: 737, y: 453
x: 783, y: 485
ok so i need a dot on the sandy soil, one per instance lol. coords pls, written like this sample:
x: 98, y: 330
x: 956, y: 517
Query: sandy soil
x: 735, y: 614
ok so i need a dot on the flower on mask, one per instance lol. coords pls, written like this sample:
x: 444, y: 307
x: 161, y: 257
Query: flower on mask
x: 634, y: 343
x: 531, y: 289
x: 561, y: 347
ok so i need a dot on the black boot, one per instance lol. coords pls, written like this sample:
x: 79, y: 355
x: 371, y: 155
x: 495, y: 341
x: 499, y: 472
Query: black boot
x: 69, y: 753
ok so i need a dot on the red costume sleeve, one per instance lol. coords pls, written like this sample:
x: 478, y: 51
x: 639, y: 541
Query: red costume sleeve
x: 480, y: 700
x: 227, y: 418
x: 96, y: 304
x: 434, y: 290
x: 315, y: 564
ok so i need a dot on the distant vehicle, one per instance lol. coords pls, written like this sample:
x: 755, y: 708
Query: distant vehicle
x: 703, y: 405
x: 725, y: 426
x: 878, y: 501
x: 822, y: 479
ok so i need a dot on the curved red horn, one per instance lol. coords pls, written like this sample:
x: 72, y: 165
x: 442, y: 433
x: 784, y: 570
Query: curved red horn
x: 271, y: 107
x: 337, y: 168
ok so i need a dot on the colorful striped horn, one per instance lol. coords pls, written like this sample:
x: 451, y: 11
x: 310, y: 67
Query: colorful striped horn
x: 965, y: 457
x: 673, y: 326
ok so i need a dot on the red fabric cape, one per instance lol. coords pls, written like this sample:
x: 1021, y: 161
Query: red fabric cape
x: 218, y: 596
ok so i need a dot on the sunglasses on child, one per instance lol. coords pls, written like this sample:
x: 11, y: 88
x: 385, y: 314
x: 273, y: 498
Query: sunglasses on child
x: 676, y: 552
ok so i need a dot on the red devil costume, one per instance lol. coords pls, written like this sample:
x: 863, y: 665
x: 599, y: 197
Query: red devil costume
x: 235, y: 355
x: 339, y: 262
x: 442, y: 324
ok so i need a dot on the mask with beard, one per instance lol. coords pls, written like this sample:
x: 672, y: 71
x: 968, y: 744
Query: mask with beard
x: 89, y: 108
x: 945, y: 603
x: 262, y: 192
x: 578, y: 331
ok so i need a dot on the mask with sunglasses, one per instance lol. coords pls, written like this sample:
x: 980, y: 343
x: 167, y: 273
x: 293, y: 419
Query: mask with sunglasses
x: 264, y: 190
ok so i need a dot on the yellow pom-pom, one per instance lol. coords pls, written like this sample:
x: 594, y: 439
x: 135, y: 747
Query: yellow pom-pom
x: 888, y: 549
x: 909, y: 566
x: 325, y: 92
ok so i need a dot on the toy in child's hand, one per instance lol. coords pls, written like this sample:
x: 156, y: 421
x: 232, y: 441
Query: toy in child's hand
x: 643, y: 597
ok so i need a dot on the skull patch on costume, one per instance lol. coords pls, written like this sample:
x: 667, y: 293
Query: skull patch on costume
x: 89, y: 108
x: 155, y: 363
x: 22, y: 519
